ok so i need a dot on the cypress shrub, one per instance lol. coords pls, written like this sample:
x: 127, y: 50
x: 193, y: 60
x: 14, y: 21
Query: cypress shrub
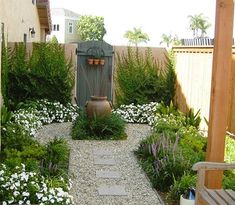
x: 140, y: 79
x: 5, y: 64
x: 46, y: 74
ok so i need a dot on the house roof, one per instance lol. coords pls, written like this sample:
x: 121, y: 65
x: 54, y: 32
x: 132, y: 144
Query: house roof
x: 64, y: 12
x: 43, y: 7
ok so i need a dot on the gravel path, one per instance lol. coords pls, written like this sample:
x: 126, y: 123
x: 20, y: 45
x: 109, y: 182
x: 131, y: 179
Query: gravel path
x: 123, y: 182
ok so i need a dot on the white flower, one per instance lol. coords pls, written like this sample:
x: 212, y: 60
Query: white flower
x: 21, y: 202
x: 25, y: 194
x: 44, y: 198
x: 17, y: 184
x: 16, y: 193
x: 14, y: 175
x: 39, y: 195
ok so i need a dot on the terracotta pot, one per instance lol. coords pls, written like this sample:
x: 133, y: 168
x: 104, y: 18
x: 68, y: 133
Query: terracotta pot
x: 98, y: 107
x: 90, y: 61
x: 96, y: 61
x: 102, y: 61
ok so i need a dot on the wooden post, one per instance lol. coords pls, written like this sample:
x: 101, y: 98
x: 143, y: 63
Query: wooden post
x: 231, y: 121
x: 220, y: 88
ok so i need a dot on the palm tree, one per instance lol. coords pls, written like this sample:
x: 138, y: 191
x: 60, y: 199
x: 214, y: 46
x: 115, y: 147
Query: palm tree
x: 198, y: 23
x: 136, y: 36
x: 167, y: 39
x: 203, y: 27
x: 170, y: 40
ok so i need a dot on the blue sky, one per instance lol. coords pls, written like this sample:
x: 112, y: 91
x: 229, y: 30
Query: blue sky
x: 155, y: 17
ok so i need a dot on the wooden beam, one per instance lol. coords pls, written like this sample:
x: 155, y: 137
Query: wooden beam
x: 220, y: 88
x: 231, y: 121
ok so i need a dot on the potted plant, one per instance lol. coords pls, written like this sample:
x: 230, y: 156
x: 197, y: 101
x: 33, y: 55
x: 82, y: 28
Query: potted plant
x: 90, y: 61
x: 97, y: 57
x: 96, y: 61
x: 102, y: 61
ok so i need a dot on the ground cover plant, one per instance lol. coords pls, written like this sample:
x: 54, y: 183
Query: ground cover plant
x: 99, y: 128
x: 138, y: 113
x: 139, y: 79
x: 27, y: 187
x: 39, y: 172
x: 32, y: 115
x: 175, y: 145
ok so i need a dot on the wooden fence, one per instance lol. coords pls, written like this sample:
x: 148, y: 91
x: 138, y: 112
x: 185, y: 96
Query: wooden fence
x: 194, y: 70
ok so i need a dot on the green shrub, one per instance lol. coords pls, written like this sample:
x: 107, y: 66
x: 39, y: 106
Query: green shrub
x: 46, y: 74
x: 193, y: 119
x: 181, y: 185
x: 15, y: 137
x: 168, y: 123
x: 99, y: 128
x: 229, y: 180
x: 56, y: 158
x: 170, y: 109
x: 229, y: 156
x: 5, y: 65
x: 6, y: 116
x: 192, y: 144
x: 30, y: 155
x: 140, y: 79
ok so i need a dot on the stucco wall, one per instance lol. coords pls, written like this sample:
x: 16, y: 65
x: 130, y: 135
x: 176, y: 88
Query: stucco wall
x: 18, y: 16
x: 60, y: 35
x: 71, y: 37
x: 1, y: 101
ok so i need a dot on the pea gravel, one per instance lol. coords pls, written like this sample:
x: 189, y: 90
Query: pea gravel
x: 83, y: 170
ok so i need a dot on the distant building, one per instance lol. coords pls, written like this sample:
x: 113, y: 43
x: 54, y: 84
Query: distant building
x: 64, y: 25
x: 25, y: 21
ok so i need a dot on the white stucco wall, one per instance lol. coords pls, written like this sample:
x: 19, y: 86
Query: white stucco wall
x: 60, y: 35
x: 18, y: 16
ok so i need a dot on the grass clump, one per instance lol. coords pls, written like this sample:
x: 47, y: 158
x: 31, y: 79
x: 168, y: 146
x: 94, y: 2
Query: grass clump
x: 100, y: 128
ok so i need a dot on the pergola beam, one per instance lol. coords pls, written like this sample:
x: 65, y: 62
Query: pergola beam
x: 220, y: 88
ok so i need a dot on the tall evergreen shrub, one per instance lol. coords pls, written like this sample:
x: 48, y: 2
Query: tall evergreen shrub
x: 141, y: 79
x: 5, y: 64
x: 46, y: 74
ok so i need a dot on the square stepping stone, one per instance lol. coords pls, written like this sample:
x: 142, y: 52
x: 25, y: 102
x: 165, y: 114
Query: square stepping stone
x: 101, y: 152
x: 115, y: 190
x: 100, y: 161
x: 108, y: 174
